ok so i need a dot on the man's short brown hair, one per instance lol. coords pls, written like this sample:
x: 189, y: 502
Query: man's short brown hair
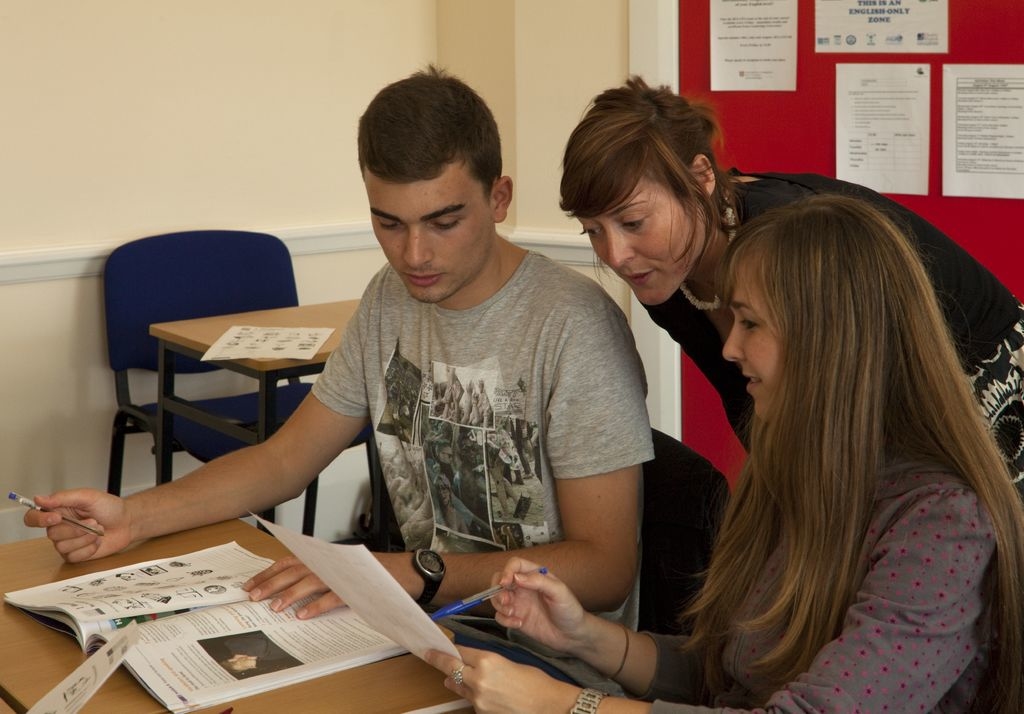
x: 416, y: 126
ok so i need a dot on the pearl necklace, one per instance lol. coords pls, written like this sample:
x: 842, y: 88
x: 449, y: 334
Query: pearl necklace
x: 729, y: 219
x: 702, y: 305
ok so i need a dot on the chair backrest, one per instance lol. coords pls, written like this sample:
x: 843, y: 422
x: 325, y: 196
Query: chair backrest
x: 684, y: 499
x: 179, y: 276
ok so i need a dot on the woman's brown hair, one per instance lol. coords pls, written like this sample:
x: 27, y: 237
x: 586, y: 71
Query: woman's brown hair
x: 636, y: 131
x: 870, y: 378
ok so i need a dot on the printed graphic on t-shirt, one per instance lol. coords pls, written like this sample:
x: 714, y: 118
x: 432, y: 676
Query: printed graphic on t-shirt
x: 460, y: 460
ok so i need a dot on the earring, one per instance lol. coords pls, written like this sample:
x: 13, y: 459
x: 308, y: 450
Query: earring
x: 730, y: 223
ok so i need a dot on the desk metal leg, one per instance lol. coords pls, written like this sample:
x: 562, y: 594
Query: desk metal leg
x: 164, y: 436
x: 268, y: 406
x: 267, y: 422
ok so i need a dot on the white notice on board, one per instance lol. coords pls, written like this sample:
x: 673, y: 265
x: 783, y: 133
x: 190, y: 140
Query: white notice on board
x: 882, y: 129
x: 753, y: 45
x: 983, y: 130
x: 881, y: 26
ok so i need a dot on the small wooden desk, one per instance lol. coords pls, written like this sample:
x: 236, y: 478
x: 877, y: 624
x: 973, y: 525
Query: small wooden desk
x: 34, y: 658
x: 193, y: 338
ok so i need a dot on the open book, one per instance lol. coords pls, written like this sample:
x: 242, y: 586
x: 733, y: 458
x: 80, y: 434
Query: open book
x: 201, y: 641
x: 92, y: 605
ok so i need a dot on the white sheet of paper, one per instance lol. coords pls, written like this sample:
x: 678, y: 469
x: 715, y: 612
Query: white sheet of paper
x: 900, y: 26
x: 75, y: 690
x: 983, y: 130
x: 753, y: 45
x: 246, y: 341
x: 367, y: 587
x: 882, y: 129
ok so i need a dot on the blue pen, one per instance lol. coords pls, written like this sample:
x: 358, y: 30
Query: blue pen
x: 29, y: 504
x: 459, y: 606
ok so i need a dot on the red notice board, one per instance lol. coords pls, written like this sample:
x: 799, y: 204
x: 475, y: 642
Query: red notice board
x: 795, y: 132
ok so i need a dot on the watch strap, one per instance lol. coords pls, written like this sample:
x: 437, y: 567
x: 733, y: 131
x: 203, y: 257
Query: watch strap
x: 587, y: 702
x: 429, y: 591
x: 430, y: 584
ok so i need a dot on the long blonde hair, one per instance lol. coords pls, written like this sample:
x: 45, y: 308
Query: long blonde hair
x: 869, y: 376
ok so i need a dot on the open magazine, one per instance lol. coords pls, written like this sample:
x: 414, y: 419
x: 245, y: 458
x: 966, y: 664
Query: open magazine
x: 90, y: 606
x: 201, y: 641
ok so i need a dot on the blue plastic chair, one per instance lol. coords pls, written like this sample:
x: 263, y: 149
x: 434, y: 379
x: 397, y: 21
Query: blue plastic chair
x: 179, y: 276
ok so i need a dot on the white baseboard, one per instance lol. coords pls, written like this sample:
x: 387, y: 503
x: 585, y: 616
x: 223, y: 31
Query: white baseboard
x: 82, y: 261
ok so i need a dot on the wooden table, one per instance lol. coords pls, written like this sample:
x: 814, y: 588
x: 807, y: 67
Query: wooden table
x: 193, y: 338
x: 34, y: 658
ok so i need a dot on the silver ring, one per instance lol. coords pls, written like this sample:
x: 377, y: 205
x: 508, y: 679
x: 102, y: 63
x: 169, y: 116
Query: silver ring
x: 457, y: 676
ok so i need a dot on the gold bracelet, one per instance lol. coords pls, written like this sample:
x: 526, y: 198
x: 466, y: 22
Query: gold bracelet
x: 587, y: 702
x: 625, y: 654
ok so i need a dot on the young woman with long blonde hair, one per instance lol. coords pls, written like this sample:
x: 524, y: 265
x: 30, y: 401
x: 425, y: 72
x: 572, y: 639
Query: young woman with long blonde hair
x: 872, y: 556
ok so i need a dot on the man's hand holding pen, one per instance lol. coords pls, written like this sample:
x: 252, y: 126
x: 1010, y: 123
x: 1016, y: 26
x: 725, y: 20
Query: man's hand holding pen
x: 30, y: 504
x: 82, y: 523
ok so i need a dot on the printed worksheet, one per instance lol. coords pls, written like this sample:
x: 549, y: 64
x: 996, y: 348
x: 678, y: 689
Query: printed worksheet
x: 248, y: 342
x: 983, y: 130
x: 753, y: 45
x: 882, y: 129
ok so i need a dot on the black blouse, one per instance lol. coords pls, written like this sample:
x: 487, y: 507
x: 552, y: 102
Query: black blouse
x: 980, y: 310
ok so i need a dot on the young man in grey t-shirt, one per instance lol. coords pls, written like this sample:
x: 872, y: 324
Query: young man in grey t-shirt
x: 505, y: 391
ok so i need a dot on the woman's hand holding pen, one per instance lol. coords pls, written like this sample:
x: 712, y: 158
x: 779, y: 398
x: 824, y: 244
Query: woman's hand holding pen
x: 542, y: 606
x: 91, y: 507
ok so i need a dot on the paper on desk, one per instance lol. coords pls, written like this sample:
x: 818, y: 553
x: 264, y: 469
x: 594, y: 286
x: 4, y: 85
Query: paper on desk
x: 246, y: 341
x: 75, y: 690
x: 368, y: 588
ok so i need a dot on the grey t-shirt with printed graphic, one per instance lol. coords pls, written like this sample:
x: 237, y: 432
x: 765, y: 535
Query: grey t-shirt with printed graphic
x: 477, y: 411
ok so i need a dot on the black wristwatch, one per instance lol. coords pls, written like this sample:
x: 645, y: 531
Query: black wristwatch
x: 430, y: 566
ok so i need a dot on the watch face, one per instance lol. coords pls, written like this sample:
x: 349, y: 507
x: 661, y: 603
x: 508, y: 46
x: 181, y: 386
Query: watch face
x: 430, y: 562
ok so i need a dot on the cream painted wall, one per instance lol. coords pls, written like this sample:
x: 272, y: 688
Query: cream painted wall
x: 161, y: 116
x: 476, y: 41
x: 135, y: 118
x: 566, y: 52
x: 538, y: 64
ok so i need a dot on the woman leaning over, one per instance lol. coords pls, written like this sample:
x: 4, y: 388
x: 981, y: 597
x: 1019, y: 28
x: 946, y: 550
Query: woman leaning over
x: 640, y: 174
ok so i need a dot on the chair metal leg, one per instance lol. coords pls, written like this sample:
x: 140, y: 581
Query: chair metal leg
x: 376, y: 484
x: 116, y: 453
